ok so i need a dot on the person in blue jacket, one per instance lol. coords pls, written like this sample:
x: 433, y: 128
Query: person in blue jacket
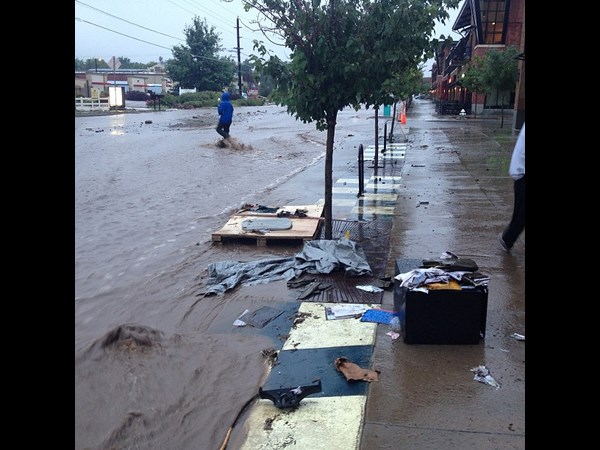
x: 225, y: 110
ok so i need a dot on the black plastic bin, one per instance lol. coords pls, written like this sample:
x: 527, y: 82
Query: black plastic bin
x: 440, y: 316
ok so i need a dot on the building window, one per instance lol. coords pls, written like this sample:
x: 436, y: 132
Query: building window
x: 493, y: 20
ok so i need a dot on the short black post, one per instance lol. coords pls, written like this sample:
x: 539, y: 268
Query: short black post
x: 361, y: 170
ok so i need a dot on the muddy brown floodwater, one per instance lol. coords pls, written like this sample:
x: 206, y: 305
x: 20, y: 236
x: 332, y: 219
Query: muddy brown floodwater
x: 156, y: 364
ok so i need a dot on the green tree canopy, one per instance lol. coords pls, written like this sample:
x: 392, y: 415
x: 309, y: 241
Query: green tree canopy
x: 342, y: 53
x: 493, y: 73
x: 197, y: 64
x: 472, y: 77
x: 90, y: 64
x: 100, y: 63
x: 402, y: 86
x: 126, y: 63
x: 499, y: 70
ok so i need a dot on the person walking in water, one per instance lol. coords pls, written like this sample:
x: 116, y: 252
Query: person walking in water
x: 225, y: 110
x: 517, y: 171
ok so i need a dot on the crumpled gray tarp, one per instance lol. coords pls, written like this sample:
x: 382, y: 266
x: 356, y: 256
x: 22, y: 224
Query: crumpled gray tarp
x: 318, y: 256
x: 326, y: 256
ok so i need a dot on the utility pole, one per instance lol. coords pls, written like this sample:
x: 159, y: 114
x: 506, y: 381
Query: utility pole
x: 239, y: 57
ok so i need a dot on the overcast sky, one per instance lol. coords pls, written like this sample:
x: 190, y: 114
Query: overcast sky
x: 143, y: 30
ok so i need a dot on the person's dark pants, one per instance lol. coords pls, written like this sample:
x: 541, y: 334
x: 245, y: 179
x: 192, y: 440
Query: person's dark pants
x: 223, y: 129
x: 517, y: 222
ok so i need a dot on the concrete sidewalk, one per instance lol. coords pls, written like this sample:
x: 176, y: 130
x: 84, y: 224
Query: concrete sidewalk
x: 445, y: 187
x: 457, y: 197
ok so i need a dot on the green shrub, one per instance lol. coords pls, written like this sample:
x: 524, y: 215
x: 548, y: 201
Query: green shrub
x: 136, y: 95
x: 168, y: 101
x: 251, y: 101
x: 204, y: 99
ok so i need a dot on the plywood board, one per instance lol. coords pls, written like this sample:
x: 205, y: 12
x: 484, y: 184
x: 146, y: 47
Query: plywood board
x: 305, y: 228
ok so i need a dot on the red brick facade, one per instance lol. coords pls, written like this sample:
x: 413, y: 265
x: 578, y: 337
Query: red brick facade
x: 483, y: 25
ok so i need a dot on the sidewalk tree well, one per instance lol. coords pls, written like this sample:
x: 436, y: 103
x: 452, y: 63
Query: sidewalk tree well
x: 341, y: 53
x: 197, y: 64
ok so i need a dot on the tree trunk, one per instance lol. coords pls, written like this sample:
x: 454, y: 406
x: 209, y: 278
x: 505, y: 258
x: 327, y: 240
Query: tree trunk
x: 501, y: 107
x: 329, y: 178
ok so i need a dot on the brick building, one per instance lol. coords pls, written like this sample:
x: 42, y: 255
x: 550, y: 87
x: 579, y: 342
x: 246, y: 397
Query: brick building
x: 483, y: 25
x: 97, y: 81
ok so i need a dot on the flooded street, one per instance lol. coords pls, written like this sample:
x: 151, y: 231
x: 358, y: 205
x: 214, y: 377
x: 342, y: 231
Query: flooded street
x: 156, y: 364
x: 146, y: 193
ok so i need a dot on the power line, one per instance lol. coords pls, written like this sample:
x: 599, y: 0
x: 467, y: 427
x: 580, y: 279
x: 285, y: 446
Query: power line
x: 221, y: 20
x: 194, y: 4
x: 146, y: 42
x: 122, y: 34
x: 127, y: 21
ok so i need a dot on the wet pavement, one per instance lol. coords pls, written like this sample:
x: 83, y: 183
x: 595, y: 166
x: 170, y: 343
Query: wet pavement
x: 144, y: 218
x: 426, y: 397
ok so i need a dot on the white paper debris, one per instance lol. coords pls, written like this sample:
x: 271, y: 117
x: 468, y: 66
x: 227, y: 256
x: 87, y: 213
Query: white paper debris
x: 518, y: 337
x: 241, y: 323
x: 369, y: 288
x: 344, y: 311
x: 482, y: 374
x: 448, y: 255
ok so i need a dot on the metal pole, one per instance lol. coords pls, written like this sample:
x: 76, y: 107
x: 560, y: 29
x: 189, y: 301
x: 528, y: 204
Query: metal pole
x: 385, y: 137
x: 239, y: 57
x: 376, y: 160
x: 361, y: 171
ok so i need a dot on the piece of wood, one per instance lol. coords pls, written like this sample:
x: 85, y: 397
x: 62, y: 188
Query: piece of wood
x: 311, y: 211
x: 305, y: 228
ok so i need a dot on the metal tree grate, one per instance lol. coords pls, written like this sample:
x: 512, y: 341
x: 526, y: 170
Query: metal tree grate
x: 373, y: 237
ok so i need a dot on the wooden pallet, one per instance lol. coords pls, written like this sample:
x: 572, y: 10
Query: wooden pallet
x: 303, y: 228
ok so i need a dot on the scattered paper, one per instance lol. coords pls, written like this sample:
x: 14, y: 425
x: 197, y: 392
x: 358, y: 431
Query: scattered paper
x: 448, y: 255
x: 518, y: 337
x: 482, y: 374
x: 393, y: 335
x: 368, y: 288
x: 240, y: 323
x: 344, y: 311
